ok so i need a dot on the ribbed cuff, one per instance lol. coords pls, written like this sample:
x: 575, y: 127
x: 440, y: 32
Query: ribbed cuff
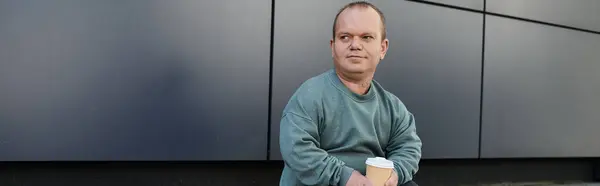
x: 346, y: 173
x: 401, y: 178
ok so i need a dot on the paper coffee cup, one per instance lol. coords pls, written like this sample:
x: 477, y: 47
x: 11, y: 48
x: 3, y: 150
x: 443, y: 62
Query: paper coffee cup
x: 379, y: 170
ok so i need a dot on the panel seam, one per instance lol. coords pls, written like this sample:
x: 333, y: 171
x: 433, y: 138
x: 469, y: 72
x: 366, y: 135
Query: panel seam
x: 270, y: 100
x: 482, y: 79
x: 484, y: 11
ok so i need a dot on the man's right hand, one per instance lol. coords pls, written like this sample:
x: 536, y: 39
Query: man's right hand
x: 357, y: 179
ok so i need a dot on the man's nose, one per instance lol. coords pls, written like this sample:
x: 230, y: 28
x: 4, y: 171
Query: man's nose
x: 355, y: 44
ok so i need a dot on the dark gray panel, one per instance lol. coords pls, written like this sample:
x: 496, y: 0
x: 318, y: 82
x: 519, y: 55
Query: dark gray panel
x: 471, y: 4
x: 134, y: 80
x: 540, y: 91
x: 433, y: 66
x: 300, y: 51
x: 584, y: 14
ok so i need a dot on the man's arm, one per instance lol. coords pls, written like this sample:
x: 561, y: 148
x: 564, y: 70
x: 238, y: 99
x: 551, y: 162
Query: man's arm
x: 300, y: 148
x: 404, y: 148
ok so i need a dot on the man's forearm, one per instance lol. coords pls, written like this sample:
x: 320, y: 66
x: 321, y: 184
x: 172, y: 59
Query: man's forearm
x: 301, y: 152
x: 406, y: 165
x: 329, y: 171
x: 405, y: 149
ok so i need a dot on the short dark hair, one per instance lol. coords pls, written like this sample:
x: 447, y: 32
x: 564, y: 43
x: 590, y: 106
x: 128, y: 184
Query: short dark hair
x: 362, y: 4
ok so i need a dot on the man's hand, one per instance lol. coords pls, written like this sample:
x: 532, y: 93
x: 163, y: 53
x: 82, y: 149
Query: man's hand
x: 357, y: 179
x: 393, y: 180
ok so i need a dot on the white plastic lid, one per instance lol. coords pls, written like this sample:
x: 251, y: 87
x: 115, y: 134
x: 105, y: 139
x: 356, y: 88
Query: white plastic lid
x: 380, y: 162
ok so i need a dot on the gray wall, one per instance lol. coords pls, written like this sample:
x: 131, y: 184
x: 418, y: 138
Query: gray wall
x: 469, y: 4
x: 181, y: 80
x: 541, y: 90
x: 580, y: 14
x: 189, y: 80
x: 541, y: 94
x: 439, y: 84
x: 134, y: 80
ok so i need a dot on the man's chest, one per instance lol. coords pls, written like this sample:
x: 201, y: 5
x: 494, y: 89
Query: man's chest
x: 355, y: 127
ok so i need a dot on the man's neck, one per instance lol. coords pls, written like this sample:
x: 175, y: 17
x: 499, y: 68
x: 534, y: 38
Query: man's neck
x: 358, y: 84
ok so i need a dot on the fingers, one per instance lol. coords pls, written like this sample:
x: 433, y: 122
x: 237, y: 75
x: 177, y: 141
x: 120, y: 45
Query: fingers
x: 391, y: 182
x: 367, y: 182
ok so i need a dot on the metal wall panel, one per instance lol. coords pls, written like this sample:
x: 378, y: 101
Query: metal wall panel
x: 540, y: 91
x: 584, y: 14
x: 433, y: 66
x: 300, y: 51
x: 134, y: 80
x: 470, y: 4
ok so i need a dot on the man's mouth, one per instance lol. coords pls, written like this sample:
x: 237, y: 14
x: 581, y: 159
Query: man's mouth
x: 355, y: 56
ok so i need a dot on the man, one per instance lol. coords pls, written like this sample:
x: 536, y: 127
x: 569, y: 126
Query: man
x: 338, y: 119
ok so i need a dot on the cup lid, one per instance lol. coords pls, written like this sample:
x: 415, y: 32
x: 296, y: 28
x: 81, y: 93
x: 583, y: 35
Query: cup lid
x: 380, y: 162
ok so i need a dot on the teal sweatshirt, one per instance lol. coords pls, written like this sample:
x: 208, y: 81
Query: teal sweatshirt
x: 327, y: 131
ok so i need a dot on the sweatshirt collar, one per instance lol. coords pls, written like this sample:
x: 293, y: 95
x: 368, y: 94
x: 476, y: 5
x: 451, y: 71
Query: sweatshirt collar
x: 341, y: 87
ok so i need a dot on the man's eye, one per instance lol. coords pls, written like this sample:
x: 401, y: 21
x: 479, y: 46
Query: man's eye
x: 344, y: 37
x: 367, y: 37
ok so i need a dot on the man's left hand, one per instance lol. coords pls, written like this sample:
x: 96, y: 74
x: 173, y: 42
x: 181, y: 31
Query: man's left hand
x: 393, y: 180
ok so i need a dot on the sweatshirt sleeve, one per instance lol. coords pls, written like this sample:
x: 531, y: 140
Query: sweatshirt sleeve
x: 404, y: 148
x: 300, y: 148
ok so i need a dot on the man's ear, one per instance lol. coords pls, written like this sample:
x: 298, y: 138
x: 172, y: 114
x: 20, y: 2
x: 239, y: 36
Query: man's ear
x: 331, y: 42
x: 384, y: 47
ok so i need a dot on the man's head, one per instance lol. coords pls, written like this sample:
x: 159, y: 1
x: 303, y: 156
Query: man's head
x: 359, y: 39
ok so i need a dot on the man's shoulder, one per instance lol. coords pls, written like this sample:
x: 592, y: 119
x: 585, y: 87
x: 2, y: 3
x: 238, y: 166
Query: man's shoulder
x: 308, y: 96
x: 390, y: 97
x: 314, y: 86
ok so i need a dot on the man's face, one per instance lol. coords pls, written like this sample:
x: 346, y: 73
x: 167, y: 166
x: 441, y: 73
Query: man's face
x: 358, y: 45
